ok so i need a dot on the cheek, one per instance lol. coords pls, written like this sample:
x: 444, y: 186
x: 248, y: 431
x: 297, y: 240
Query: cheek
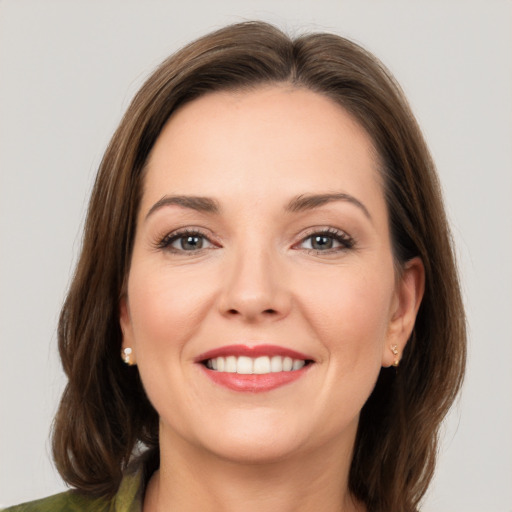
x: 347, y: 312
x: 165, y: 307
x: 350, y: 312
x: 166, y: 310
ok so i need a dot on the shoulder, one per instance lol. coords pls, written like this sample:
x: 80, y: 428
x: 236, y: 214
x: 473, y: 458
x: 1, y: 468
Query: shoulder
x: 69, y: 501
x: 129, y: 496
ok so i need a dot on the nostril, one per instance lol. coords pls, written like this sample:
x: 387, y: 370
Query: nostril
x: 269, y: 311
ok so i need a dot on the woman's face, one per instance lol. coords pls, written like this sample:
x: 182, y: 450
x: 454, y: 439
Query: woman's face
x: 262, y: 242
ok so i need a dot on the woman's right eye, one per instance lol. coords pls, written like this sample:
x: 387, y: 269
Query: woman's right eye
x: 185, y: 242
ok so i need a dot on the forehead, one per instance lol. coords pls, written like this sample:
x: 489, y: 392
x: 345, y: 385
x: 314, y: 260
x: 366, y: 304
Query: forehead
x: 261, y: 144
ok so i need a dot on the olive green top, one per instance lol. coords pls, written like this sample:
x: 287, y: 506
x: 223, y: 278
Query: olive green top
x: 128, y: 498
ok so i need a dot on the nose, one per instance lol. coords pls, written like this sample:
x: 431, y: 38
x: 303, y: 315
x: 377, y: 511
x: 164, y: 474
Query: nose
x: 255, y: 289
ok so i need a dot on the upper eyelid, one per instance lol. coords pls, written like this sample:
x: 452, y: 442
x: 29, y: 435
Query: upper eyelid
x: 324, y: 229
x: 346, y: 239
x: 180, y: 234
x: 329, y: 230
x: 164, y: 241
x: 189, y: 230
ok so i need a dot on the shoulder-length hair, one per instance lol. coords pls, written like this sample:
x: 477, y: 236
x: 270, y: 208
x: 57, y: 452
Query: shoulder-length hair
x: 105, y: 414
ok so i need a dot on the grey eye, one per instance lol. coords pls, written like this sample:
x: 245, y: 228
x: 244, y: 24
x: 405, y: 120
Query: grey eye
x: 327, y: 240
x: 321, y: 242
x: 189, y: 243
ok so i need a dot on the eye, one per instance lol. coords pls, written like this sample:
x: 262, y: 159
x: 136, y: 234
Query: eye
x: 189, y: 242
x: 185, y: 241
x: 327, y: 240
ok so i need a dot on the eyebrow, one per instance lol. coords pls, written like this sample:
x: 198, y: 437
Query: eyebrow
x: 297, y: 204
x: 311, y: 201
x: 198, y: 203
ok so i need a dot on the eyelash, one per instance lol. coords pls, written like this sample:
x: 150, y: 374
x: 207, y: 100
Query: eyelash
x: 346, y: 241
x: 166, y: 242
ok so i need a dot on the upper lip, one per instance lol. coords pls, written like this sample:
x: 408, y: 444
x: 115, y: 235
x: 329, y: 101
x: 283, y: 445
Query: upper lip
x: 251, y: 351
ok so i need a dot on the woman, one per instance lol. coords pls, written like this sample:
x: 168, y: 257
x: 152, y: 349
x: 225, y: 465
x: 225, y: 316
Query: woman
x: 266, y: 248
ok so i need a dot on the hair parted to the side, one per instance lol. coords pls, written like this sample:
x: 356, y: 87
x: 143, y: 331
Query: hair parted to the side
x: 104, y: 412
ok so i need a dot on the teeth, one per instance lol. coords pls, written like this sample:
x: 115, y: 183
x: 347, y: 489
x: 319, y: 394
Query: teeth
x: 298, y: 364
x: 230, y: 365
x: 259, y: 365
x: 276, y: 364
x: 244, y: 365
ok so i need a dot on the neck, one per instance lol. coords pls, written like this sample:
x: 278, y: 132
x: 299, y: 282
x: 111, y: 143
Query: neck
x: 190, y: 479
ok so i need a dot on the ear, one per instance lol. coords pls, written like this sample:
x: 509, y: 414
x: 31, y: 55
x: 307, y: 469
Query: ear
x: 127, y: 331
x: 409, y: 291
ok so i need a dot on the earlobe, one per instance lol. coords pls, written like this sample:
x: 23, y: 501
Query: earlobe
x: 127, y: 346
x: 409, y: 293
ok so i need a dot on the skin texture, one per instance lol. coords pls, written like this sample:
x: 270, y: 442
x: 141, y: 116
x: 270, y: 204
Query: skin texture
x: 259, y: 280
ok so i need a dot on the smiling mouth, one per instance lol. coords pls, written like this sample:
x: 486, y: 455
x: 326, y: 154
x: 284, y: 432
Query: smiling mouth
x: 255, y: 369
x: 244, y: 365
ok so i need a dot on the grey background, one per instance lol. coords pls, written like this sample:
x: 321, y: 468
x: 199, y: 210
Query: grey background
x: 68, y: 70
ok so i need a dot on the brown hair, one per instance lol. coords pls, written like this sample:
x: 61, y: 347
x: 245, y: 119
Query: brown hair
x: 104, y: 413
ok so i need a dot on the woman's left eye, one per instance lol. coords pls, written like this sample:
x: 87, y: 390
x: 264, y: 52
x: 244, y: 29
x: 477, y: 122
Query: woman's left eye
x: 327, y: 241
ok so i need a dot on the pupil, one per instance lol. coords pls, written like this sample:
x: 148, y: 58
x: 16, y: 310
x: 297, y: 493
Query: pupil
x: 191, y: 242
x: 322, y: 242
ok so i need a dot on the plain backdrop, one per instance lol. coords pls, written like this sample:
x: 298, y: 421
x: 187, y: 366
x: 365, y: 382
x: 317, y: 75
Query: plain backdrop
x: 68, y: 70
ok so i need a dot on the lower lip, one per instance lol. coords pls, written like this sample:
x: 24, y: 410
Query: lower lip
x: 254, y: 383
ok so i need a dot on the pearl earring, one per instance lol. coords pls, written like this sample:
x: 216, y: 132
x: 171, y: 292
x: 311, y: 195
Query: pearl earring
x: 394, y: 349
x: 126, y: 355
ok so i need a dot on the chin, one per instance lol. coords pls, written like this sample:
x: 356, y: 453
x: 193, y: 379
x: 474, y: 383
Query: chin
x: 252, y: 437
x: 243, y: 450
